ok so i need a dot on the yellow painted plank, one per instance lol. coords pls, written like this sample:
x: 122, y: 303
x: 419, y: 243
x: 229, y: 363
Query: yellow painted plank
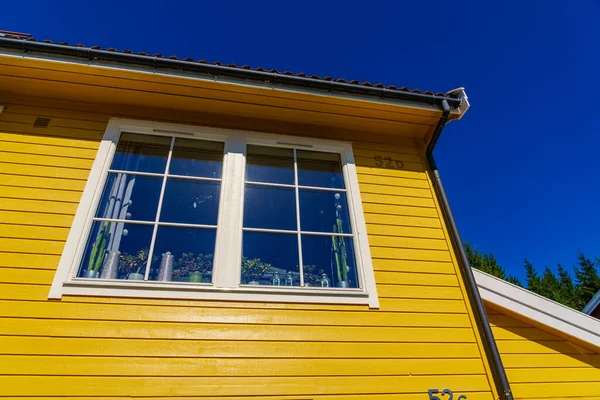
x: 554, y: 360
x: 54, y: 109
x: 554, y: 390
x: 361, y: 153
x: 431, y: 267
x: 31, y: 246
x: 22, y: 291
x: 38, y: 206
x: 370, y: 396
x: 505, y: 321
x: 405, y: 231
x: 42, y: 182
x: 402, y: 220
x: 231, y: 386
x: 32, y: 232
x: 407, y: 242
x: 410, y: 254
x: 289, y: 316
x: 15, y: 127
x: 521, y: 334
x: 233, y: 332
x: 28, y: 260
x: 374, y: 179
x: 539, y: 347
x: 18, y: 192
x: 56, y: 121
x: 367, y: 169
x: 31, y: 276
x: 36, y: 170
x: 84, y: 155
x: 407, y: 278
x: 395, y: 210
x: 537, y: 375
x: 424, y: 306
x: 230, y: 349
x: 50, y: 139
x: 370, y: 162
x: 394, y: 190
x: 37, y: 219
x: 377, y: 147
x: 397, y: 200
x: 48, y: 160
x: 138, y: 366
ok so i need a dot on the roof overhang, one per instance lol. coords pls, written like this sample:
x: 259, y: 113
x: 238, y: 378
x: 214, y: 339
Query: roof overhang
x: 120, y: 79
x: 538, y: 309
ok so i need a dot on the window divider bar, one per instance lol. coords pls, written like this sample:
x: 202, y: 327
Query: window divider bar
x: 194, y: 178
x: 120, y: 171
x: 124, y: 221
x: 327, y: 234
x: 297, y: 191
x: 158, y: 210
x: 283, y: 185
x: 268, y: 230
x: 324, y: 189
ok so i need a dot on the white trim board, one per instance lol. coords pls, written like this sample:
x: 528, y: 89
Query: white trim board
x: 538, y: 308
x: 592, y: 305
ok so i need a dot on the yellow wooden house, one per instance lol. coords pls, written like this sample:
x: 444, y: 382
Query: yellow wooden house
x: 175, y: 229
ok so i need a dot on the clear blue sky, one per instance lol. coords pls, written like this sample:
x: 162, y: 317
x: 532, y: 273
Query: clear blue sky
x: 520, y: 168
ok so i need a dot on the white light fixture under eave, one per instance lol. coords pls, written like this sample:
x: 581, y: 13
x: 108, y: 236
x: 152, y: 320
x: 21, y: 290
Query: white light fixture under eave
x: 1, y: 108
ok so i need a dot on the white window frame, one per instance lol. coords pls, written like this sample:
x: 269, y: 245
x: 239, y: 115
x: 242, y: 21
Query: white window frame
x: 228, y: 250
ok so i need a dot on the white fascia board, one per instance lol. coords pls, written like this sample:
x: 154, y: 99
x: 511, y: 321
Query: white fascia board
x: 538, y: 308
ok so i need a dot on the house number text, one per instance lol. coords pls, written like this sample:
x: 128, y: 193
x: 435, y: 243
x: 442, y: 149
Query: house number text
x: 444, y: 393
x: 388, y: 162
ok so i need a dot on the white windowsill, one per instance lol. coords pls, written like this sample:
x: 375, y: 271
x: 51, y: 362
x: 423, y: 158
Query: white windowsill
x: 199, y: 291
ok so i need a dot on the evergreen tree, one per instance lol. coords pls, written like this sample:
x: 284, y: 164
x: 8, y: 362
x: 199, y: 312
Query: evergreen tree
x: 550, y: 285
x: 587, y: 278
x: 486, y: 262
x: 567, y: 288
x: 534, y: 282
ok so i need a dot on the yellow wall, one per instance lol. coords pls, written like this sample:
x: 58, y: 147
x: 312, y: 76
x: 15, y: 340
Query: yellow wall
x: 421, y: 338
x: 541, y: 364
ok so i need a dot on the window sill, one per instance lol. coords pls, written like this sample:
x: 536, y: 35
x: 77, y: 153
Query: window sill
x: 206, y: 291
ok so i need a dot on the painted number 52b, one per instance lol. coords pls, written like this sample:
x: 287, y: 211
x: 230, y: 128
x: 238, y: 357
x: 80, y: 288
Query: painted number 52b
x: 444, y: 393
x: 388, y: 162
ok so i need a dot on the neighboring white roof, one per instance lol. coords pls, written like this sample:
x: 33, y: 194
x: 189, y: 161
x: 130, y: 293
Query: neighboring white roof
x: 538, y: 308
x: 591, y: 306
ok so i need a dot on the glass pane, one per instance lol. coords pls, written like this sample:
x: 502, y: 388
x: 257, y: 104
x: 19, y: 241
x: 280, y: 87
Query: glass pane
x: 143, y: 153
x: 269, y: 207
x: 197, y: 158
x: 116, y: 250
x: 270, y: 259
x: 332, y: 256
x: 319, y: 169
x: 129, y: 196
x: 323, y: 211
x: 190, y: 202
x: 183, y: 254
x: 269, y: 164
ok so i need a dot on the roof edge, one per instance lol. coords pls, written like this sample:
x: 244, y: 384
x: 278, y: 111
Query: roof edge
x: 537, y: 308
x: 285, y: 79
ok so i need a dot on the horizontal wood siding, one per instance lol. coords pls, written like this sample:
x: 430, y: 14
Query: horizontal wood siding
x: 542, y: 365
x: 421, y: 337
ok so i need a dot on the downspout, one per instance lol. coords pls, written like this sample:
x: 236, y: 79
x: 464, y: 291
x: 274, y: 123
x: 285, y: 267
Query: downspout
x: 481, y: 318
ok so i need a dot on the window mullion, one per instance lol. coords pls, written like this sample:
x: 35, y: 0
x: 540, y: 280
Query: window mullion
x: 296, y: 183
x: 158, y: 210
x: 228, y: 249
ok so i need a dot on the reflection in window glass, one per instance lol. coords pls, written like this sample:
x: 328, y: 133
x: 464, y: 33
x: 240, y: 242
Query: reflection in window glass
x: 183, y: 254
x: 131, y: 197
x: 270, y: 259
x: 269, y: 164
x: 269, y: 207
x: 324, y: 211
x: 319, y: 169
x: 332, y: 256
x: 142, y: 153
x: 116, y: 250
x: 190, y: 202
x: 197, y: 158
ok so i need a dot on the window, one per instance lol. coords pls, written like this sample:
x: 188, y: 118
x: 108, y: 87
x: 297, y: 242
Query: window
x: 179, y: 212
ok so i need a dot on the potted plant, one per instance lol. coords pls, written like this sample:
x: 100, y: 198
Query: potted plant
x: 98, y: 252
x: 253, y: 269
x: 338, y: 248
x: 133, y: 264
x: 312, y: 277
x: 193, y: 266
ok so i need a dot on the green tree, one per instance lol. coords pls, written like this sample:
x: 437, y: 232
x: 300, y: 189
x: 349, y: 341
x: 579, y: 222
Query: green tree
x: 587, y: 280
x: 550, y: 285
x: 568, y: 296
x: 486, y: 262
x: 534, y: 282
